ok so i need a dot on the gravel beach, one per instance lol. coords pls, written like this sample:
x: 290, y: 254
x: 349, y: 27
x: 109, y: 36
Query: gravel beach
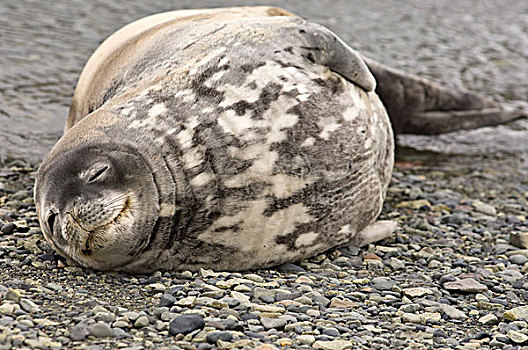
x: 454, y: 276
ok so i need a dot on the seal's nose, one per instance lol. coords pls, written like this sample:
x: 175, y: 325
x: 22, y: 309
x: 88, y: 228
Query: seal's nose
x: 50, y: 221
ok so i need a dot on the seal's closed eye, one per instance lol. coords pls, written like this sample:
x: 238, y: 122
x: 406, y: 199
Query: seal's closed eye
x: 98, y: 174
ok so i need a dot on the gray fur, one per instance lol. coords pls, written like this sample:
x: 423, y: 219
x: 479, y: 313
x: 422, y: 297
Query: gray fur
x: 220, y: 139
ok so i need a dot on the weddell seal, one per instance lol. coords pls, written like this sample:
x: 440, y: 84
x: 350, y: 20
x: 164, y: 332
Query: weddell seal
x: 231, y: 139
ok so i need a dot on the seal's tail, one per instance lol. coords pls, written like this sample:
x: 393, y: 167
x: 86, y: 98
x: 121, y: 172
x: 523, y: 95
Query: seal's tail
x: 419, y: 106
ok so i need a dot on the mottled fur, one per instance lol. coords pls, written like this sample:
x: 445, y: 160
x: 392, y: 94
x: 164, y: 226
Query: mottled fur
x: 221, y: 138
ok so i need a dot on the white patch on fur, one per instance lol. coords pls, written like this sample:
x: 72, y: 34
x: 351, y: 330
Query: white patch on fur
x: 185, y: 136
x: 193, y: 157
x: 186, y: 95
x: 345, y: 229
x: 310, y: 141
x: 306, y: 239
x: 167, y: 210
x: 325, y: 134
x: 157, y: 110
x: 351, y: 113
x: 223, y: 61
x: 257, y: 233
x: 201, y: 179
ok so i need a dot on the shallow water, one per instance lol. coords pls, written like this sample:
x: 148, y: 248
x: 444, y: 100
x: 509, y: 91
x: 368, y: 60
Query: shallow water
x: 480, y: 45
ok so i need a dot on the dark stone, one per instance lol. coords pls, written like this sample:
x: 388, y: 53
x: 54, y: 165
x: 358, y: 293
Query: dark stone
x: 332, y: 332
x: 8, y: 228
x: 47, y: 257
x: 268, y: 299
x: 233, y: 325
x: 447, y: 278
x: 289, y: 267
x: 185, y: 324
x: 167, y: 300
x: 213, y: 337
x: 482, y: 335
x: 249, y: 317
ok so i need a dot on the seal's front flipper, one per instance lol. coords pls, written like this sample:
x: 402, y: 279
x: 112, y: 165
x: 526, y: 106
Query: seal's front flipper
x: 374, y: 232
x: 419, y: 106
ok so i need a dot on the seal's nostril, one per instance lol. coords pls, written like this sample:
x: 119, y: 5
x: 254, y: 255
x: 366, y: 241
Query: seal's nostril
x: 51, y: 220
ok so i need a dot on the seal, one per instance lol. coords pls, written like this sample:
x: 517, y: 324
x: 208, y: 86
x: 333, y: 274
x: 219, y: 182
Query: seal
x: 231, y: 139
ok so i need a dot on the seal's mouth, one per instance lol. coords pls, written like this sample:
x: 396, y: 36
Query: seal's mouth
x: 93, y: 239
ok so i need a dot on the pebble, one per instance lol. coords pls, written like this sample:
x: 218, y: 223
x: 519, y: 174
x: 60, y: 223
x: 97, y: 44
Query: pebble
x: 185, y: 324
x: 101, y: 330
x: 213, y: 337
x: 518, y: 313
x: 518, y: 259
x: 417, y: 292
x: 305, y: 339
x: 517, y: 337
x: 332, y: 345
x: 276, y: 323
x: 488, y: 319
x: 466, y: 285
x: 519, y: 239
x: 141, y: 321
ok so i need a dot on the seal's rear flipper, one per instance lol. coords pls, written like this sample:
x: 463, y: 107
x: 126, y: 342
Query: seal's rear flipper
x: 374, y: 232
x: 437, y: 122
x: 419, y: 106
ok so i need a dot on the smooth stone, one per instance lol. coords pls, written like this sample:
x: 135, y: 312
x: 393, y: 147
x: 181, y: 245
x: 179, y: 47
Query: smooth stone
x: 101, y: 330
x: 213, y: 337
x: 396, y: 264
x: 337, y: 344
x: 416, y: 292
x: 484, y: 208
x: 466, y: 285
x: 516, y: 314
x: 519, y: 239
x: 417, y: 204
x: 270, y: 323
x: 517, y: 337
x: 452, y: 312
x: 141, y: 322
x: 289, y: 267
x: 305, y: 339
x: 518, y: 259
x: 186, y: 323
x: 489, y: 319
x: 342, y: 303
x: 332, y: 332
x: 7, y: 308
x: 410, y: 318
x: 8, y: 228
x: 13, y: 295
x: 167, y: 300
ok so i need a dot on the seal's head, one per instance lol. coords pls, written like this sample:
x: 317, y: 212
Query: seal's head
x: 97, y: 205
